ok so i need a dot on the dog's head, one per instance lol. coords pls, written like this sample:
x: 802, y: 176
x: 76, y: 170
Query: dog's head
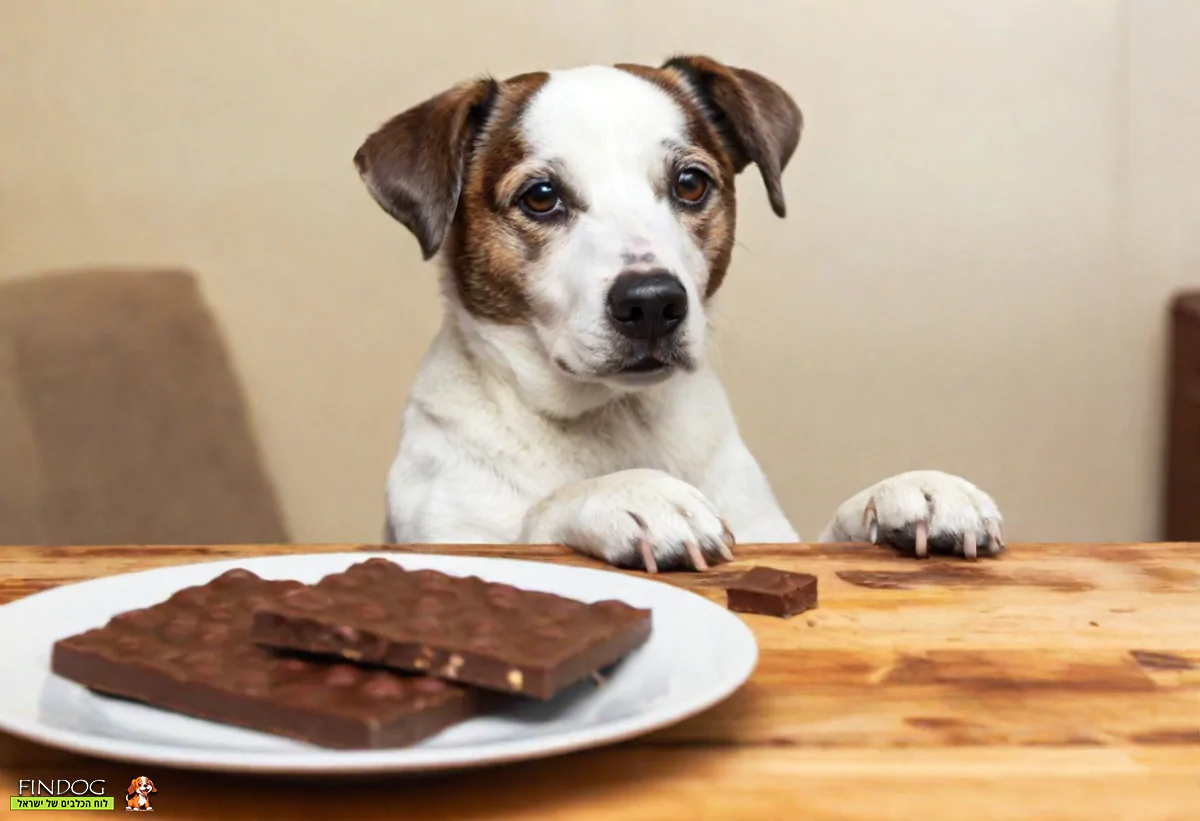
x: 592, y: 207
x: 140, y: 786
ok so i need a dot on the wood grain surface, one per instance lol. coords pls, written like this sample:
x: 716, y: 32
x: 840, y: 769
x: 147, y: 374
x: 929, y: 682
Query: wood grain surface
x: 1058, y: 682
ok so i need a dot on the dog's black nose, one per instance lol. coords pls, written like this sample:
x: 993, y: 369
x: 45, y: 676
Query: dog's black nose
x: 647, y: 306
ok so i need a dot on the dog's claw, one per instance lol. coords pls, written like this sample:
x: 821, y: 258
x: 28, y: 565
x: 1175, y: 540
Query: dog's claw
x: 727, y: 534
x: 647, y: 555
x: 970, y: 551
x: 922, y: 543
x: 995, y: 537
x: 643, y: 544
x: 727, y: 542
x: 701, y: 553
x: 696, y: 555
x: 871, y: 520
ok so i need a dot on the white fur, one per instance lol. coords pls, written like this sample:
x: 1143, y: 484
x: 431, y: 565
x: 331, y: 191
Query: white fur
x: 503, y: 445
x: 609, y: 134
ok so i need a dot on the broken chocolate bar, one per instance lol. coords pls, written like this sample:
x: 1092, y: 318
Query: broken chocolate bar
x: 770, y: 592
x: 192, y: 655
x: 466, y: 630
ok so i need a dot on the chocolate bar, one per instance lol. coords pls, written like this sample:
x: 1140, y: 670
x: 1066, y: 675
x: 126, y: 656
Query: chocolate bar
x: 770, y: 592
x: 192, y: 655
x: 466, y: 630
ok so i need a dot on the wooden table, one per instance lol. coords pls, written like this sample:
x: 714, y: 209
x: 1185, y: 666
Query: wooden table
x: 1059, y: 682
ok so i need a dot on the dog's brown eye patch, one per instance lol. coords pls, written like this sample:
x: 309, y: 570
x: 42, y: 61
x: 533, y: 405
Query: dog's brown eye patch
x: 691, y: 186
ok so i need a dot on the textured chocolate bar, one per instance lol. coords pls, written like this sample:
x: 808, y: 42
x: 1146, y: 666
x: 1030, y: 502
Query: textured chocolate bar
x: 770, y: 592
x: 467, y: 630
x: 192, y: 655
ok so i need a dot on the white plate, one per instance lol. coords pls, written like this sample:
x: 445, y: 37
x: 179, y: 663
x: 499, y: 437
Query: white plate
x: 697, y: 655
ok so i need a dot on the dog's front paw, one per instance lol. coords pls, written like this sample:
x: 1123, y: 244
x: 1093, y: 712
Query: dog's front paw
x: 928, y: 511
x: 636, y: 519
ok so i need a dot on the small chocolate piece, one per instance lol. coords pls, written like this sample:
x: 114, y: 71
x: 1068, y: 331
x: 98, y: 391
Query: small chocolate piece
x: 192, y: 655
x: 769, y: 592
x: 466, y: 630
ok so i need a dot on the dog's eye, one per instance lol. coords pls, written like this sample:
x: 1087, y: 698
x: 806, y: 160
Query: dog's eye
x: 540, y: 199
x: 691, y: 186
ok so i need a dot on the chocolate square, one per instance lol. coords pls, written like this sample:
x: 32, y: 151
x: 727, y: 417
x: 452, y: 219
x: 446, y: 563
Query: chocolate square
x: 770, y: 592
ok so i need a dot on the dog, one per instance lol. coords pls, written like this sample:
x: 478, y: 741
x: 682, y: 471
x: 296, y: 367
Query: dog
x: 584, y: 220
x: 137, y: 797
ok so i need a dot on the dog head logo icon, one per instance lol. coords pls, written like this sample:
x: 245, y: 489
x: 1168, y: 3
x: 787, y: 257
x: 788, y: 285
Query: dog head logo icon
x: 137, y: 797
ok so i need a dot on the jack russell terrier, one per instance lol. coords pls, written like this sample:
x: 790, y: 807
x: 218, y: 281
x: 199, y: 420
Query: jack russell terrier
x: 584, y: 220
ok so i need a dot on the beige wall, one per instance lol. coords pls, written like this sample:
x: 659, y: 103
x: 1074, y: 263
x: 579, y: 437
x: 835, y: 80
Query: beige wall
x: 991, y: 205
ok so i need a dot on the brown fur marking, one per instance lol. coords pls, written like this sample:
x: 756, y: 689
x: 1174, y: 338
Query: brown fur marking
x: 487, y: 250
x: 758, y: 122
x: 413, y: 164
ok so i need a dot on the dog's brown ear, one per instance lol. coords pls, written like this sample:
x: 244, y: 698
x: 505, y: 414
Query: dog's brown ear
x: 152, y: 787
x: 414, y: 164
x: 756, y: 118
x: 132, y: 787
